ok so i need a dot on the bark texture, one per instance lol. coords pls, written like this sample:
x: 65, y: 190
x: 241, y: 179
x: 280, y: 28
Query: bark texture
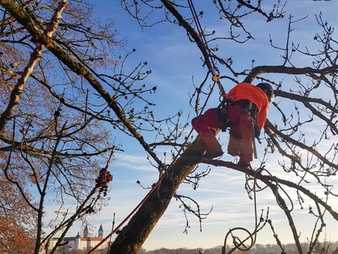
x: 132, y: 236
x: 36, y: 28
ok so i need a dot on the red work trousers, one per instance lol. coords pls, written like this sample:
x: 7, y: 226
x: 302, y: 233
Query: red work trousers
x: 207, y: 123
x: 207, y: 126
x: 241, y: 134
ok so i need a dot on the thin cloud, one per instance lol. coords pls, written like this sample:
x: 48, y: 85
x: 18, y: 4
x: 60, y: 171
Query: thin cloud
x: 132, y: 162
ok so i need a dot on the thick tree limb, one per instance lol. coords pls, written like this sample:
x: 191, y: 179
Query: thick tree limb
x: 288, y: 70
x: 268, y: 179
x: 302, y: 98
x: 17, y: 91
x: 132, y: 236
x: 181, y: 20
x: 69, y: 59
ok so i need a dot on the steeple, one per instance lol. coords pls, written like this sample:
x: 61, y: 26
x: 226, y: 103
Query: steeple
x: 100, y: 232
x: 86, y: 231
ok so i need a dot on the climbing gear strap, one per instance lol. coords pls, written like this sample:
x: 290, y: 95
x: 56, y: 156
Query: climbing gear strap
x: 223, y: 109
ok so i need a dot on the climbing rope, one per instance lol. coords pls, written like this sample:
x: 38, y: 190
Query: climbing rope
x: 252, y: 236
x: 117, y: 228
x: 215, y: 78
x: 210, y: 63
x: 208, y: 60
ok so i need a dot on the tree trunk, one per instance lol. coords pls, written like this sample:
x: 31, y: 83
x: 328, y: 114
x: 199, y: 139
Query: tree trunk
x: 133, y: 235
x: 131, y: 238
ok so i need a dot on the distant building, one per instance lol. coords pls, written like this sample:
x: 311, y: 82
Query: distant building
x: 83, y: 243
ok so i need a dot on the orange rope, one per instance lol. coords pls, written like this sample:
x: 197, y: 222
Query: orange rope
x: 155, y: 187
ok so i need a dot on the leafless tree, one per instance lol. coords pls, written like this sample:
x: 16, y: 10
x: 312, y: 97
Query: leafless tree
x: 61, y: 135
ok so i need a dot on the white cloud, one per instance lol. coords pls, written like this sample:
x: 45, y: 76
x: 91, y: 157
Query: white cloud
x: 132, y: 162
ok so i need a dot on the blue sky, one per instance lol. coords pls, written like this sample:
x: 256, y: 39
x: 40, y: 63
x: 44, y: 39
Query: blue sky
x: 175, y: 62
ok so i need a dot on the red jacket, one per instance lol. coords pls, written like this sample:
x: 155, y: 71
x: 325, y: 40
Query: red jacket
x: 247, y: 91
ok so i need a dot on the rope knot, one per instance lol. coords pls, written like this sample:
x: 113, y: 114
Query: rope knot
x: 216, y: 78
x: 102, y: 181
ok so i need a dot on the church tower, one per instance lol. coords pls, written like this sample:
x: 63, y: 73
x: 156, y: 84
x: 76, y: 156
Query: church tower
x: 86, y: 231
x: 100, y: 232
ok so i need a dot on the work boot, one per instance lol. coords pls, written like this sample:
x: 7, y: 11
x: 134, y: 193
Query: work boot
x: 234, y: 146
x: 213, y: 148
x: 244, y: 164
x: 244, y: 160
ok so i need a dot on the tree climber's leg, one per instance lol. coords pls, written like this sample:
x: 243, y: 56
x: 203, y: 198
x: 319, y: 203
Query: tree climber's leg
x: 235, y: 134
x: 234, y: 144
x: 213, y: 147
x: 246, y: 146
x: 206, y: 126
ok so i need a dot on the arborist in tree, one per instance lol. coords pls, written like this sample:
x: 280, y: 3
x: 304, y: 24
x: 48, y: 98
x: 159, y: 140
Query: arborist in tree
x: 244, y: 111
